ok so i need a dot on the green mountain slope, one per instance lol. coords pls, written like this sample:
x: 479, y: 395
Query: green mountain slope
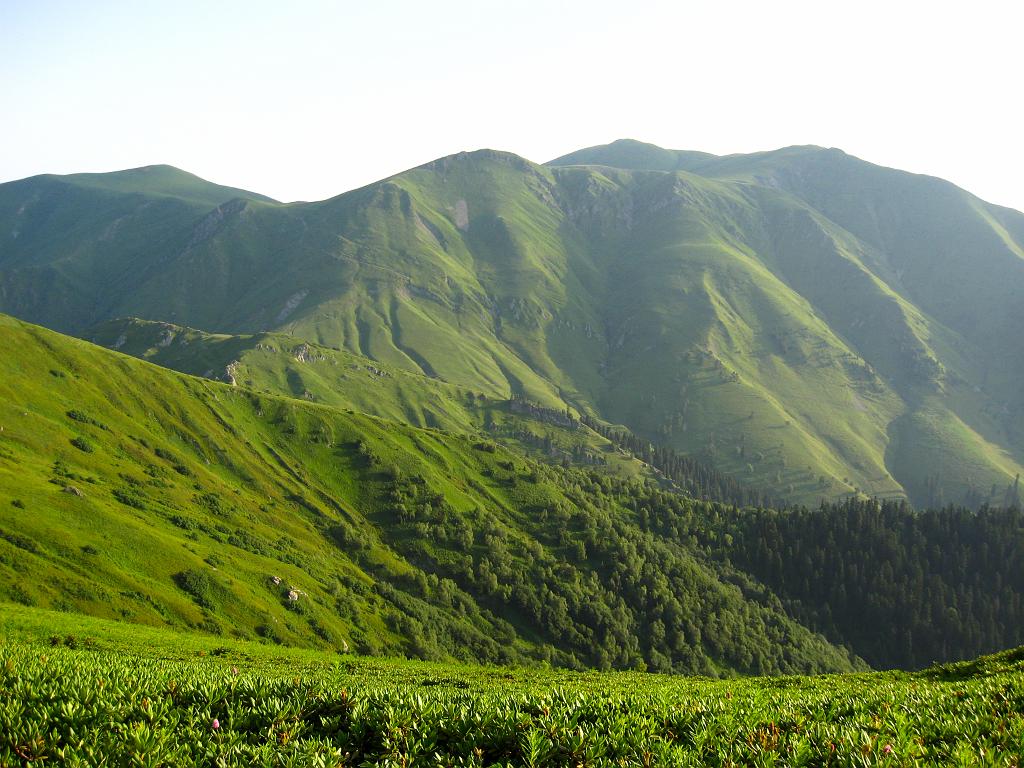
x: 133, y: 492
x: 73, y: 245
x: 286, y: 365
x: 919, y: 277
x: 155, y: 181
x: 800, y: 318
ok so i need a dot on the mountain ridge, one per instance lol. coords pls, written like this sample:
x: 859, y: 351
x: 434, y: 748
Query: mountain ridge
x: 158, y: 178
x: 135, y: 492
x: 715, y: 311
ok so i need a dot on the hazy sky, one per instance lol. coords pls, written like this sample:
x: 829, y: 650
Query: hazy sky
x: 304, y: 100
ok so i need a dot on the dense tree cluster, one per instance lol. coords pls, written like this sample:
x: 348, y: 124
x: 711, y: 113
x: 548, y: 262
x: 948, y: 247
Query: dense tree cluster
x: 696, y: 478
x: 599, y: 571
x: 901, y: 588
x: 579, y: 578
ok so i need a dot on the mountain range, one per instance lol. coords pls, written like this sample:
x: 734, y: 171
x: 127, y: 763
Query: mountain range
x: 499, y: 411
x: 800, y: 319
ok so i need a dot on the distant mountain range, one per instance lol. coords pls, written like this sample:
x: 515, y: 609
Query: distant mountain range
x: 801, y: 319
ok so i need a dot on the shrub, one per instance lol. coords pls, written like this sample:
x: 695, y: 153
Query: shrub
x: 82, y: 444
x: 185, y: 523
x: 197, y: 585
x: 166, y: 455
x: 83, y: 418
x: 19, y: 541
x: 129, y: 498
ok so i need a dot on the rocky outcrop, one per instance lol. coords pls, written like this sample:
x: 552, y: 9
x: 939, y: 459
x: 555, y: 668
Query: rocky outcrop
x: 291, y: 305
x: 214, y: 221
x: 306, y: 354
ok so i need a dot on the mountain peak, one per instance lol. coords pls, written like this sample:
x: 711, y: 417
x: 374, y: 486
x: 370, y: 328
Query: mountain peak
x: 633, y: 155
x: 478, y: 155
x: 158, y: 180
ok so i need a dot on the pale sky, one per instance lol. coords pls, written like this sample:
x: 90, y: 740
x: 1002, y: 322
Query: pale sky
x: 303, y: 100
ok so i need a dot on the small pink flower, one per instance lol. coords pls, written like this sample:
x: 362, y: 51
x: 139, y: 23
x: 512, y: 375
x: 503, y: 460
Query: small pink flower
x: 234, y: 670
x: 215, y: 723
x: 887, y: 749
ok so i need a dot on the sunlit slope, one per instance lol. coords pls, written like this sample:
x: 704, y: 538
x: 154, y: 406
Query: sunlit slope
x: 958, y: 260
x: 709, y: 348
x: 801, y: 318
x: 130, y: 491
x: 286, y: 365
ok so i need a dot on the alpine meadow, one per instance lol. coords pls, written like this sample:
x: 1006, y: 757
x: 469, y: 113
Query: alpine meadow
x: 635, y: 457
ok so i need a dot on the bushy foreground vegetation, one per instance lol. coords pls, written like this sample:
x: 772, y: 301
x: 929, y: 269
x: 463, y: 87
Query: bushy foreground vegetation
x: 94, y: 693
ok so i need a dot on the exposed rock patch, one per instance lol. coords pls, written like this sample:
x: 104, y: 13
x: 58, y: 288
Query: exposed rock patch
x: 291, y: 305
x: 306, y: 354
x: 214, y: 221
x: 462, y: 215
x: 167, y: 335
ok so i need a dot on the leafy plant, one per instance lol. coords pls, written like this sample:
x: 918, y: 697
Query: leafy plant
x: 142, y: 696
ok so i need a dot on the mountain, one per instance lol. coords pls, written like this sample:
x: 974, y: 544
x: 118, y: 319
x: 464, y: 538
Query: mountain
x: 286, y: 365
x: 133, y: 492
x: 129, y: 491
x: 802, y: 319
x: 636, y: 156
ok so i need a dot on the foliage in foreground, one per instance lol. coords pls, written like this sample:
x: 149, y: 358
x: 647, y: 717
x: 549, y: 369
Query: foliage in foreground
x: 122, y: 695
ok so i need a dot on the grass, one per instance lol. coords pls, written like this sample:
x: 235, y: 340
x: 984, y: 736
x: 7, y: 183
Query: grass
x: 286, y: 365
x: 215, y: 552
x: 129, y: 491
x: 790, y: 316
x: 91, y: 692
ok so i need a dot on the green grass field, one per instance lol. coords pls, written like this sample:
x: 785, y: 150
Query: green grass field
x: 278, y: 363
x: 87, y: 692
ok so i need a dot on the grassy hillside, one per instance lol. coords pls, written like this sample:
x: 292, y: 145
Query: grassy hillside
x: 636, y: 156
x: 286, y: 365
x: 74, y: 245
x: 174, y: 698
x: 129, y: 491
x: 800, y: 318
